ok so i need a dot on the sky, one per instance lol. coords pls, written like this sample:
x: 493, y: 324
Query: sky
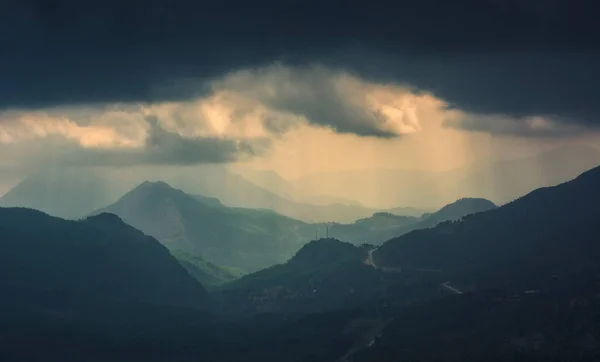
x: 293, y: 86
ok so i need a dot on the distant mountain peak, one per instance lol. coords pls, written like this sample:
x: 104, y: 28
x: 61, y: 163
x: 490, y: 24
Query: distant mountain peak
x: 469, y: 201
x: 472, y: 200
x: 100, y: 257
x: 153, y: 188
x: 322, y: 251
x: 105, y: 216
x: 387, y: 214
x: 460, y: 208
x: 203, y: 226
x: 154, y: 184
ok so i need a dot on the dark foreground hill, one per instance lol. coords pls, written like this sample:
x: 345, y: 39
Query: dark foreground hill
x: 325, y: 275
x: 243, y: 238
x: 100, y: 290
x: 560, y: 322
x: 551, y: 230
x: 100, y: 258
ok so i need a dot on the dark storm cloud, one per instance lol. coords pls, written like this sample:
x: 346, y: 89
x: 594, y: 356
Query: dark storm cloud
x: 561, y: 86
x: 168, y: 148
x: 514, y: 58
x: 324, y: 98
x: 161, y: 147
x: 529, y: 127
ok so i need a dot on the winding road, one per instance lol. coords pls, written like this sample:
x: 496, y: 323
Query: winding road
x: 384, y: 269
x: 453, y: 290
x: 370, y: 261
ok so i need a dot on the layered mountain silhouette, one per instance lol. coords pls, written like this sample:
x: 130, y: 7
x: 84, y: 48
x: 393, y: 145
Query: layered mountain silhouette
x: 550, y: 230
x: 556, y: 321
x: 326, y: 274
x: 236, y: 237
x: 101, y: 258
x: 457, y: 210
x: 383, y: 226
x: 234, y: 190
x: 385, y: 220
x: 529, y: 271
x: 525, y: 276
x: 73, y: 194
x: 450, y: 212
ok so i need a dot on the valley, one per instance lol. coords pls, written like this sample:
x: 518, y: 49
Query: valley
x: 187, y: 265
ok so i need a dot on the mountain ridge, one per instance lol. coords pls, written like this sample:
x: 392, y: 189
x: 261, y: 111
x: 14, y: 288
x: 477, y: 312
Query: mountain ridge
x: 543, y: 226
x: 100, y: 256
x: 223, y: 235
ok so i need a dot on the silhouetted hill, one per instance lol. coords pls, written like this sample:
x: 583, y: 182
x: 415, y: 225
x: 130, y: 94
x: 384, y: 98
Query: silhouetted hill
x: 325, y: 274
x: 324, y: 252
x: 408, y: 211
x: 99, y: 290
x: 384, y: 220
x: 243, y: 238
x: 368, y: 229
x: 459, y: 209
x: 556, y: 322
x: 208, y: 274
x: 450, y: 212
x: 383, y: 226
x: 99, y: 258
x: 550, y: 229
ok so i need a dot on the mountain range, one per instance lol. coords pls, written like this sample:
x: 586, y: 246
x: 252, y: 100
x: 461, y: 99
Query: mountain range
x: 99, y: 290
x: 99, y: 258
x: 234, y: 190
x: 243, y: 238
x: 73, y: 194
x: 523, y: 278
x: 383, y: 226
x: 250, y: 239
x: 553, y: 229
x: 519, y: 246
x: 328, y: 273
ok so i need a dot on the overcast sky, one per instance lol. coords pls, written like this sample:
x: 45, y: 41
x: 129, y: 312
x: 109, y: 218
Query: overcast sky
x: 295, y: 86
